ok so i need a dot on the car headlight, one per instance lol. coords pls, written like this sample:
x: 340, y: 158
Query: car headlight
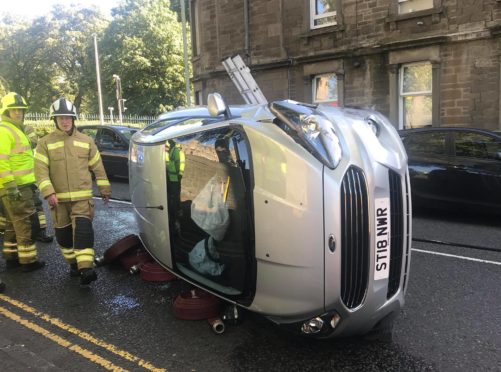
x: 373, y: 125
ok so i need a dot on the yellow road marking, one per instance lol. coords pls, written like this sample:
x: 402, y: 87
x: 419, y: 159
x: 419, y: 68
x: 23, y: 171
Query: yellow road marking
x: 61, y: 341
x: 83, y: 335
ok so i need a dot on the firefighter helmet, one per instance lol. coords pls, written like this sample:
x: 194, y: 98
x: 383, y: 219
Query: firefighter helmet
x: 62, y: 107
x: 13, y: 101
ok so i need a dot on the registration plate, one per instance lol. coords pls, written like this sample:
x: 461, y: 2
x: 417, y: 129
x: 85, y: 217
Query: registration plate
x: 383, y: 228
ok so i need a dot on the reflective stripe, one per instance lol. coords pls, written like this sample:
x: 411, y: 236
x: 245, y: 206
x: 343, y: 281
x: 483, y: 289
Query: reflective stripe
x: 74, y: 194
x: 68, y: 253
x: 26, y: 248
x: 5, y: 173
x: 18, y: 149
x: 23, y: 172
x: 5, y: 157
x: 7, y: 250
x: 42, y: 158
x: 83, y: 145
x: 94, y: 159
x: 103, y: 182
x: 44, y: 184
x: 84, y: 255
x: 17, y: 140
x: 55, y: 145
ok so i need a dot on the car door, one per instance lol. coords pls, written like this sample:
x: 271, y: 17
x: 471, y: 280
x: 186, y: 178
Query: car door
x: 429, y: 157
x: 476, y: 169
x: 114, y: 152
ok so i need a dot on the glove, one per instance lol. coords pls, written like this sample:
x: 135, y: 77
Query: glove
x: 13, y: 193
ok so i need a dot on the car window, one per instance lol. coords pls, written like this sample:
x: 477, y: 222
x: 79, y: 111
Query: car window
x: 108, y: 139
x: 476, y: 145
x: 128, y: 133
x: 432, y: 143
x: 91, y: 132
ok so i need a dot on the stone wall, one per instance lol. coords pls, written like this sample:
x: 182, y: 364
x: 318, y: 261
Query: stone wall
x: 281, y: 44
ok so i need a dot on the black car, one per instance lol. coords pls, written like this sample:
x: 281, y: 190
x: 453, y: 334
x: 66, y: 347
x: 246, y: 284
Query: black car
x: 113, y: 144
x: 454, y: 167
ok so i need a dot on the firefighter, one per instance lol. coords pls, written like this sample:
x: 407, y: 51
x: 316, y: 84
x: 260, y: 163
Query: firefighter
x: 174, y: 162
x: 64, y: 160
x: 42, y: 236
x: 17, y: 184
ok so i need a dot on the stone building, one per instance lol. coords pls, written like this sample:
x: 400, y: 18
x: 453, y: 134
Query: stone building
x: 420, y: 62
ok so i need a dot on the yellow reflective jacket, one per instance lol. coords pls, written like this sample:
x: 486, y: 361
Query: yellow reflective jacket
x: 16, y: 157
x: 32, y: 135
x: 174, y: 161
x: 63, y: 166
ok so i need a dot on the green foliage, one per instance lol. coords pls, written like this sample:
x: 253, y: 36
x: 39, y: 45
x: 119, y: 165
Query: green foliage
x: 53, y: 56
x: 144, y: 47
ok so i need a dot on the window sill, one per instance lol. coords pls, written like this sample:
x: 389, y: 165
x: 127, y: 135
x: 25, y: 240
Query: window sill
x: 322, y: 31
x: 435, y: 12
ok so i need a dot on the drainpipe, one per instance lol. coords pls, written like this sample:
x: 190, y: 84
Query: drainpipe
x: 246, y: 33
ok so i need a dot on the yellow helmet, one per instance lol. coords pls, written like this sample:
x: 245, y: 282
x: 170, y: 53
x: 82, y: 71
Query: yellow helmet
x: 13, y: 101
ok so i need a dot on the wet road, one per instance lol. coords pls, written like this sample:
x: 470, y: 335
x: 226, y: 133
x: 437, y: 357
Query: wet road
x: 450, y: 321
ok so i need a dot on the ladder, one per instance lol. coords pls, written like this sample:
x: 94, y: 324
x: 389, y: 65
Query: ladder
x: 240, y: 75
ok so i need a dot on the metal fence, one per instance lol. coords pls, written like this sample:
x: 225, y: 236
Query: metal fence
x: 42, y: 121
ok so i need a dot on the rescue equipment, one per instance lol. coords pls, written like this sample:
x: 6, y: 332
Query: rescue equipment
x: 217, y: 325
x: 154, y: 272
x: 118, y: 248
x: 135, y: 257
x: 240, y: 76
x: 196, y: 304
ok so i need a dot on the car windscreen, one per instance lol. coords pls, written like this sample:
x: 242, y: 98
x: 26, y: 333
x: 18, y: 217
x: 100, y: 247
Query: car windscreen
x: 128, y: 132
x: 161, y: 125
x: 311, y: 129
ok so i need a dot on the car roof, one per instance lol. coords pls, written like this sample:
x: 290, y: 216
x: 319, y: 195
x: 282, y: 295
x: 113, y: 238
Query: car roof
x: 198, y: 112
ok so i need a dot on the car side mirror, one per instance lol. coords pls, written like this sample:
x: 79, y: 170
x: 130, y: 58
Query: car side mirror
x: 217, y: 106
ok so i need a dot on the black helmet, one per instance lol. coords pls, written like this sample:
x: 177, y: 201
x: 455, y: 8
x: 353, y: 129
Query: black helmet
x: 62, y: 107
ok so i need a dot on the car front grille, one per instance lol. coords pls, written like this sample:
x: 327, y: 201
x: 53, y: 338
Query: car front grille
x: 397, y: 232
x: 355, y: 250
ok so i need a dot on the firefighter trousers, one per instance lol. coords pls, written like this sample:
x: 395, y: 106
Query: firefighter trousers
x: 74, y: 232
x: 21, y: 226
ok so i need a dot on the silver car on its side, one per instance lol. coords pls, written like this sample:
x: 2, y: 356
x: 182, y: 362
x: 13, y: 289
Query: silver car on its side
x: 298, y: 212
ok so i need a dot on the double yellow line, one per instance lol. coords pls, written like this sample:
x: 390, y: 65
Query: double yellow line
x: 68, y: 345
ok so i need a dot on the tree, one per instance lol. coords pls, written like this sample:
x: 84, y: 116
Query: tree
x: 52, y: 57
x: 23, y: 63
x: 71, y: 49
x: 143, y: 45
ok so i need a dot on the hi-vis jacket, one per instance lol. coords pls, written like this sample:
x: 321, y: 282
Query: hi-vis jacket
x: 63, y: 166
x: 174, y: 160
x: 16, y: 157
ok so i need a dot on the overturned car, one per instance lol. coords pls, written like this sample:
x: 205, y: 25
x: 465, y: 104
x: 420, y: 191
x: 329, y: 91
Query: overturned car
x: 298, y: 212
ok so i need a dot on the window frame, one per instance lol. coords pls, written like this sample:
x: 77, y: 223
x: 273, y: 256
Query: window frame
x: 420, y: 10
x: 315, y: 17
x: 402, y: 95
x: 314, y: 88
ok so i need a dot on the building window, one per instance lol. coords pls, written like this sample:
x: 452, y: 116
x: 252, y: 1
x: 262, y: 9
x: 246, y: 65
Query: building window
x: 195, y: 27
x: 322, y: 13
x: 325, y: 89
x: 415, y: 95
x: 198, y: 98
x: 409, y: 6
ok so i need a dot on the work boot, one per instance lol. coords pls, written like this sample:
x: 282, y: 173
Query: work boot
x: 87, y: 276
x: 32, y: 266
x: 43, y: 237
x: 2, y: 286
x: 12, y: 264
x: 74, y: 270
